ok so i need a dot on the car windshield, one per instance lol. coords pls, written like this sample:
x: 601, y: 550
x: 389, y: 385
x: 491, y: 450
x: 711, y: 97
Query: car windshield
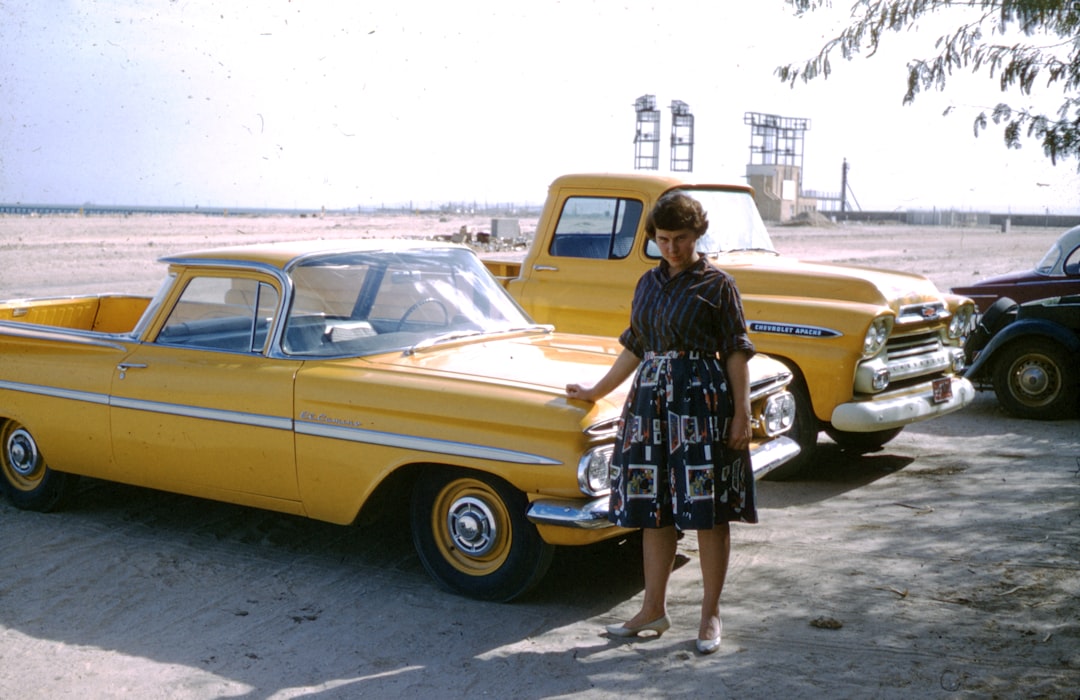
x: 365, y: 302
x: 734, y: 223
x: 1046, y: 265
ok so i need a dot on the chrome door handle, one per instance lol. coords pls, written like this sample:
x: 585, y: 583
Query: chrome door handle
x: 125, y: 366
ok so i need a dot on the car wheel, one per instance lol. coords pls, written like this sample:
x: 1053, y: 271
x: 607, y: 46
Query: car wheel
x: 803, y: 431
x: 861, y: 443
x: 27, y: 480
x: 472, y: 535
x: 1035, y: 378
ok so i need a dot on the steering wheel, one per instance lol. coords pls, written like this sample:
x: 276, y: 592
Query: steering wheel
x: 412, y: 309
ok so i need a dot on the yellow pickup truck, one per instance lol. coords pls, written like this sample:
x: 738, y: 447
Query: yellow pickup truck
x: 871, y: 350
x: 321, y: 378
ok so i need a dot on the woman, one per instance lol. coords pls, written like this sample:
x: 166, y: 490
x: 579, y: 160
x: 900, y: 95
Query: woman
x: 681, y: 460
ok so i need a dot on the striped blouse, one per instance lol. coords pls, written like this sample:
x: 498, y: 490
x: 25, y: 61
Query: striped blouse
x: 699, y: 309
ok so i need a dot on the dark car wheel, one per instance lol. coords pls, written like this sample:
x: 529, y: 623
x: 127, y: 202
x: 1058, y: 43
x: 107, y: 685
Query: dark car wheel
x: 862, y: 443
x: 1036, y: 378
x: 25, y: 478
x: 989, y: 323
x: 471, y: 533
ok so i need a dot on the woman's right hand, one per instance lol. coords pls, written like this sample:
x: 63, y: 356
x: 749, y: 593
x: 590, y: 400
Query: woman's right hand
x: 577, y: 391
x: 624, y: 366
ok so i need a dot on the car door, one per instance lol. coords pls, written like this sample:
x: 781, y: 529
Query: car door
x: 200, y: 407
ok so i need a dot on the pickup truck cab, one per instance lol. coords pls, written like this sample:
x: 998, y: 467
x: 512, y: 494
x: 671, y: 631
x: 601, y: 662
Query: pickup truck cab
x: 319, y: 378
x: 871, y: 350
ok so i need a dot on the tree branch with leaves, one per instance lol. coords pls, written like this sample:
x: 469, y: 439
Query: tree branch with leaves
x: 1050, y: 51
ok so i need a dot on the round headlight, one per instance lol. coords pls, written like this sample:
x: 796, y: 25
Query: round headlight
x: 961, y: 323
x: 877, y: 335
x: 594, y: 471
x: 779, y: 413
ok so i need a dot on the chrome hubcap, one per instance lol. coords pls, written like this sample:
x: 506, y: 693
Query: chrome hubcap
x: 1032, y: 379
x: 22, y: 452
x: 472, y: 526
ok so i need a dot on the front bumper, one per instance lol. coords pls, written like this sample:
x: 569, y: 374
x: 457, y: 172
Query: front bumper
x: 593, y: 515
x: 885, y: 413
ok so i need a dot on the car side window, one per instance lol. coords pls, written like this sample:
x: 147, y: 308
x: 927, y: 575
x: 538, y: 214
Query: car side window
x: 1072, y: 263
x: 596, y: 227
x: 232, y: 314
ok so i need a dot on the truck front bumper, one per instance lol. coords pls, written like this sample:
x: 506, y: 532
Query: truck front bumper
x: 894, y: 411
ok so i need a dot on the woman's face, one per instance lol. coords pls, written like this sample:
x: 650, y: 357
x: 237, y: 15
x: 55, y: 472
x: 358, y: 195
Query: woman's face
x: 679, y: 248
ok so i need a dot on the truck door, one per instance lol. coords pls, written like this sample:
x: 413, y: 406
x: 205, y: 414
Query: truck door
x: 201, y: 408
x: 583, y: 283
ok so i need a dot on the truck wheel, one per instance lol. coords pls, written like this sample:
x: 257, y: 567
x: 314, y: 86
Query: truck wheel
x: 472, y: 535
x: 1035, y: 378
x: 27, y: 480
x: 861, y: 443
x: 803, y: 431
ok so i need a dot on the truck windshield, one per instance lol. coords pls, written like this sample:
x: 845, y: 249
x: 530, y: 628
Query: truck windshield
x: 734, y: 222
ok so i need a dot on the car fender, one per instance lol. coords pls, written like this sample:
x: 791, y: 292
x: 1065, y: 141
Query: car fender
x: 1027, y: 327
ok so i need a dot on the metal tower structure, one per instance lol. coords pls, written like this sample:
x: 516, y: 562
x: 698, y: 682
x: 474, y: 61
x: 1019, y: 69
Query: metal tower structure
x: 682, y: 137
x: 647, y: 134
x: 776, y: 140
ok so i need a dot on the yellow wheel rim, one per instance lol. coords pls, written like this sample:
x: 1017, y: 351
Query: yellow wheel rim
x: 472, y: 527
x: 20, y: 460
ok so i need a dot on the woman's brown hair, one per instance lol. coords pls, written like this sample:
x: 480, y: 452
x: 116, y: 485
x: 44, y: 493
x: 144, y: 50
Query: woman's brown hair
x: 676, y: 211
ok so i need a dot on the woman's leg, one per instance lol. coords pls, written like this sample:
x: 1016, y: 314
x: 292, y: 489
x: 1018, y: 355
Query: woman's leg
x: 714, y: 548
x: 658, y: 551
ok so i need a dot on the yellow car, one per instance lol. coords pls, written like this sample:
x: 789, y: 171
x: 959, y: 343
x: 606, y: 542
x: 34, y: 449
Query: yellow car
x: 316, y: 378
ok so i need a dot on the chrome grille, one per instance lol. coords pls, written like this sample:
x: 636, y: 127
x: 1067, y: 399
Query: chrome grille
x: 907, y: 346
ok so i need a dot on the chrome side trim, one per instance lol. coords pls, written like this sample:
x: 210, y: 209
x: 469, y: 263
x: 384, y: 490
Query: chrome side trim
x: 302, y: 427
x: 111, y: 341
x: 410, y: 442
x: 201, y: 412
x: 56, y: 392
x: 775, y: 383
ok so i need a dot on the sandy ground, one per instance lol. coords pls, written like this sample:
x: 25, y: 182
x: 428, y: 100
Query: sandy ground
x: 945, y: 565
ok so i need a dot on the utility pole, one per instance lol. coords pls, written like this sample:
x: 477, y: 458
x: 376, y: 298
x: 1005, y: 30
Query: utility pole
x: 843, y: 187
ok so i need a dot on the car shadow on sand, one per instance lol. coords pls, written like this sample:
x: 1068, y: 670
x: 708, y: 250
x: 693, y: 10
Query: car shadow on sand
x: 834, y: 471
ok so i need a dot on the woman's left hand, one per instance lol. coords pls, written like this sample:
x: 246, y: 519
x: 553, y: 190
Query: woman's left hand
x: 740, y: 431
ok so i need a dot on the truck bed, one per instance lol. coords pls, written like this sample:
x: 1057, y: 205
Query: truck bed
x: 104, y: 314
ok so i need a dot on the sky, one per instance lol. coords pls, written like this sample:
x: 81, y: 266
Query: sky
x: 319, y: 103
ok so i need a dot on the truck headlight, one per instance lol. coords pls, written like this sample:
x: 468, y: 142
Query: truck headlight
x: 594, y: 471
x: 961, y: 323
x: 877, y: 335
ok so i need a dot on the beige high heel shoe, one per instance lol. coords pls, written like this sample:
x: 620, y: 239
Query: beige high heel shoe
x: 659, y: 625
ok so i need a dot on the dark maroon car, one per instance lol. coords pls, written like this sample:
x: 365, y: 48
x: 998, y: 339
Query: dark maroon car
x: 1057, y: 274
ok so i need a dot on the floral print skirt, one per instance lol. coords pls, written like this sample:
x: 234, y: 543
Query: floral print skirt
x: 670, y: 465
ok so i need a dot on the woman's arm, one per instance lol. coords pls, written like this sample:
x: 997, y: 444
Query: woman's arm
x: 738, y: 374
x: 624, y: 366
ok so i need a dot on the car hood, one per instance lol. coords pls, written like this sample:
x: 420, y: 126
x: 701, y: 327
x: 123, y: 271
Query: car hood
x: 538, y: 361
x: 755, y: 272
x: 1008, y: 279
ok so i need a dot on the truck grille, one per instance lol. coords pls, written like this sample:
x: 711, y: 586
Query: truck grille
x: 913, y: 345
x: 916, y: 357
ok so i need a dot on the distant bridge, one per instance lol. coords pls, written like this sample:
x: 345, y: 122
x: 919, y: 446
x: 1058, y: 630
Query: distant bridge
x: 120, y: 210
